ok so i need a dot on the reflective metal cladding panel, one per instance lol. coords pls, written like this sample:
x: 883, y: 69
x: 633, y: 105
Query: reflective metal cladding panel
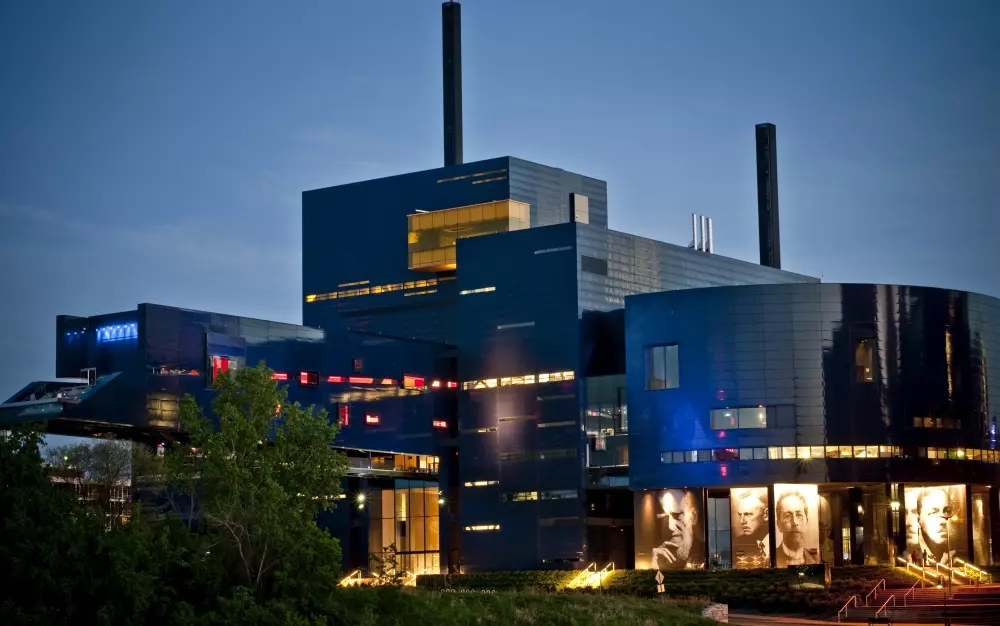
x: 812, y: 383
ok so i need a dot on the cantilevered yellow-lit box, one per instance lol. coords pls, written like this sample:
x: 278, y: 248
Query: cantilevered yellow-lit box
x: 431, y: 236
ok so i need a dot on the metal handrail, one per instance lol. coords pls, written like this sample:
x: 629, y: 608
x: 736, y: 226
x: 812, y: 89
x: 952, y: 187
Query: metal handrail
x: 982, y: 575
x: 875, y: 591
x: 583, y: 576
x: 853, y: 599
x: 892, y: 599
x: 912, y: 590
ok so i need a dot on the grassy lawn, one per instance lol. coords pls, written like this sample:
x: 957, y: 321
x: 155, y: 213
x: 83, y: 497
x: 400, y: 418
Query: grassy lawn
x: 363, y: 607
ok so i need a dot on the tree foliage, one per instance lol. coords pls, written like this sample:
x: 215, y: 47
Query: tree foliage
x: 258, y: 472
x: 100, y: 471
x: 239, y: 544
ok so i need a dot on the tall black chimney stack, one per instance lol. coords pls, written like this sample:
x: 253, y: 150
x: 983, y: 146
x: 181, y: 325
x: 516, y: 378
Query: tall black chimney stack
x: 451, y: 45
x: 767, y: 196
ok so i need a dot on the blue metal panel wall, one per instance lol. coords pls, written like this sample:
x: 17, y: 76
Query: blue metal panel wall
x: 527, y: 437
x: 633, y: 265
x: 547, y: 190
x: 357, y: 232
x: 793, y: 347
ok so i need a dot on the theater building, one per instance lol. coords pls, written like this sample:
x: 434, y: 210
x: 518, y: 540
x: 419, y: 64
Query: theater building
x: 521, y: 387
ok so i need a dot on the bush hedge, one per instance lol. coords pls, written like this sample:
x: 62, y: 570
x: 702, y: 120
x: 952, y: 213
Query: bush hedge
x: 380, y: 606
x: 766, y: 591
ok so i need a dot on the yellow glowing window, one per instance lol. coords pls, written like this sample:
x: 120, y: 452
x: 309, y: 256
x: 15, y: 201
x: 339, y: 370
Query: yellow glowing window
x: 520, y: 496
x: 432, y: 237
x: 527, y: 379
x: 481, y: 483
x: 482, y: 528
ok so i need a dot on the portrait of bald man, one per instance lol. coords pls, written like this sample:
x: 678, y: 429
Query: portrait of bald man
x: 683, y: 545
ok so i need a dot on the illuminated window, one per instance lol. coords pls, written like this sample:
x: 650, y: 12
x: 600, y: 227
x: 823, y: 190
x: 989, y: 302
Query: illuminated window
x: 527, y: 379
x: 662, y: 367
x: 520, y: 496
x: 481, y: 483
x: 413, y: 382
x: 864, y: 361
x: 308, y: 379
x: 726, y: 454
x: 374, y: 289
x: 432, y: 236
x: 482, y: 528
x: 221, y: 364
x: 747, y: 417
x: 467, y: 292
x: 753, y: 417
x: 724, y: 419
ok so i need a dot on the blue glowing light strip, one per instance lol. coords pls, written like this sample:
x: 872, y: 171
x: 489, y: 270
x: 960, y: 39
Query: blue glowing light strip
x: 117, y: 332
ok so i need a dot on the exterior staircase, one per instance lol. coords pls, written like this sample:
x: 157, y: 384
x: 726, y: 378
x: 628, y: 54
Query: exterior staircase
x: 962, y: 604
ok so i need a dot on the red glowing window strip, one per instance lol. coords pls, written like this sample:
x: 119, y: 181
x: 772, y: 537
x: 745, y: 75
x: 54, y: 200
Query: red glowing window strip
x: 440, y: 424
x: 388, y: 381
x: 308, y: 379
x: 344, y: 414
x: 372, y: 419
x: 436, y: 384
x: 413, y: 382
x: 361, y: 380
x: 334, y: 379
x: 279, y: 376
x: 452, y: 384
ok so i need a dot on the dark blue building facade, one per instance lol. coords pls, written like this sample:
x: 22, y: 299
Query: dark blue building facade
x: 511, y: 399
x: 868, y: 400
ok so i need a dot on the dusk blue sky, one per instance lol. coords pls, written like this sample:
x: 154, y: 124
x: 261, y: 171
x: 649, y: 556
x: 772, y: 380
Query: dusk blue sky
x: 156, y: 151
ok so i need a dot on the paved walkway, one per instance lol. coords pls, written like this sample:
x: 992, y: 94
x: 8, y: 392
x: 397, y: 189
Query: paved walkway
x: 760, y: 620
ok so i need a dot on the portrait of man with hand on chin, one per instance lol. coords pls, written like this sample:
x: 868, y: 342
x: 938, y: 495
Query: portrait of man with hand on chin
x: 684, y: 545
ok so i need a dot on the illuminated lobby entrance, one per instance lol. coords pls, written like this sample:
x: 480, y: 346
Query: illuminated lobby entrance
x: 407, y: 516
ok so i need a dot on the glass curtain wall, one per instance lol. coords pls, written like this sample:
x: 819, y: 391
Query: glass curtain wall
x: 407, y: 516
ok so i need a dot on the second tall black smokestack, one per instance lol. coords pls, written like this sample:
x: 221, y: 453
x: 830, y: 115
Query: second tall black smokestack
x: 451, y: 45
x: 767, y: 196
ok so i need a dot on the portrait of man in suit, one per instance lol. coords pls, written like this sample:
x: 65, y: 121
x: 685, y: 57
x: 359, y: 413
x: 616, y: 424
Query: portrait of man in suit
x: 749, y: 526
x: 797, y: 529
